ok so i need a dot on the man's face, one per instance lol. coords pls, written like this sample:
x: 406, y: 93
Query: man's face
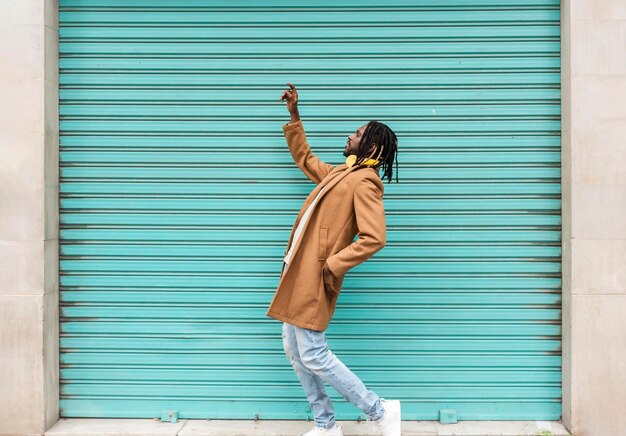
x: 354, y: 140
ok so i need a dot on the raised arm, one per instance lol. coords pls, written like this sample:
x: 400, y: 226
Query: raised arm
x: 310, y: 164
x: 314, y: 168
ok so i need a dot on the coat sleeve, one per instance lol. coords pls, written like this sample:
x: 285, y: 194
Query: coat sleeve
x: 309, y: 163
x: 372, y: 228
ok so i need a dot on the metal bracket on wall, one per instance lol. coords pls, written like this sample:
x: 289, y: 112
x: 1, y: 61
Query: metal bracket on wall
x: 447, y: 416
x: 169, y: 415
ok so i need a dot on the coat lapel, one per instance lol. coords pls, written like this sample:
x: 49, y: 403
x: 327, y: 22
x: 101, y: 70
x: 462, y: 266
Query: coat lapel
x: 335, y: 173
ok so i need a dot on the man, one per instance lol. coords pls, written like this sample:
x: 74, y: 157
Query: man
x: 347, y: 201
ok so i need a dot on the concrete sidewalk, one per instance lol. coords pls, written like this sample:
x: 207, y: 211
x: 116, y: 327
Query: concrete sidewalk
x: 202, y: 427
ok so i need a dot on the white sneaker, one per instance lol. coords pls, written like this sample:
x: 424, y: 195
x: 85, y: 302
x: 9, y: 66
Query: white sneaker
x: 319, y: 431
x: 390, y: 424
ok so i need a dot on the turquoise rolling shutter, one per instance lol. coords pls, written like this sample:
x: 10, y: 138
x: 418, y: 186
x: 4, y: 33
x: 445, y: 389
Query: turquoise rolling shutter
x: 178, y: 194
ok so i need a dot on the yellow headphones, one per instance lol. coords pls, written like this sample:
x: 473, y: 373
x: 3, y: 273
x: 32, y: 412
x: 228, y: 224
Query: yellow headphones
x: 351, y: 160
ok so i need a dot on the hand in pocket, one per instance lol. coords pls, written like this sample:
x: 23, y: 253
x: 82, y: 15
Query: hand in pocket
x: 329, y: 279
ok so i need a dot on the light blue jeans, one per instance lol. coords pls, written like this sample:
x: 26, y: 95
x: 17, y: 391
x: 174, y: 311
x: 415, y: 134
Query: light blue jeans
x: 314, y: 364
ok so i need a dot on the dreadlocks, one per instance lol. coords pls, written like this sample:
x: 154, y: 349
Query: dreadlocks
x: 381, y: 135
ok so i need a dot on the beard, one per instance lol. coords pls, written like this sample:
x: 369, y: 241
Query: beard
x: 346, y: 149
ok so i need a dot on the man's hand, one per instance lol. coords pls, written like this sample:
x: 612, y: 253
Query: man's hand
x: 329, y: 279
x: 291, y: 95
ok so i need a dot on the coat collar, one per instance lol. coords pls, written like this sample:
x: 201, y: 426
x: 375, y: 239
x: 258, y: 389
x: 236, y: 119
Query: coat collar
x: 331, y: 179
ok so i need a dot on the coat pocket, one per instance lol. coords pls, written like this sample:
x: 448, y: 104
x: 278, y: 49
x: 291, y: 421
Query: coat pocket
x: 323, y: 240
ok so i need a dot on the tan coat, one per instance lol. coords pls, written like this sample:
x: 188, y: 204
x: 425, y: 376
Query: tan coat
x: 351, y: 204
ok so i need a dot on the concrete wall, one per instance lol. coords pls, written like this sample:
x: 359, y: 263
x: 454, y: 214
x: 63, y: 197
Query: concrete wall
x: 29, y: 138
x: 594, y: 212
x: 594, y: 216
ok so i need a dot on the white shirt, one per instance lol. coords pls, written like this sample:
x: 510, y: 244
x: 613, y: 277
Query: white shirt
x: 298, y: 231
